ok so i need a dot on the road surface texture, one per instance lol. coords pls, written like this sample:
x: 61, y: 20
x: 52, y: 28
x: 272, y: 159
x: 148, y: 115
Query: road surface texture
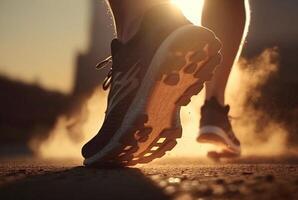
x: 178, y: 179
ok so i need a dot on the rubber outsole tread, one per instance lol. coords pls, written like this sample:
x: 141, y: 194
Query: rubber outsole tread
x: 173, y: 135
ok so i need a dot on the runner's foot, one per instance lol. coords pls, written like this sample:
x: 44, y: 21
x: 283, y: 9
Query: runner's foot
x: 215, y: 128
x: 153, y: 75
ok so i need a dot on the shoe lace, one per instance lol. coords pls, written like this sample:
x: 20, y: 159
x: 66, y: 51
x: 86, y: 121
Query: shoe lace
x: 103, y: 64
x: 232, y: 118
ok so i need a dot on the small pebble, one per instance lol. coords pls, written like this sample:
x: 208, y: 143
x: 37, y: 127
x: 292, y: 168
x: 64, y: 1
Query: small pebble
x: 244, y: 190
x: 204, y: 190
x: 173, y: 180
x: 218, y: 190
x: 233, y: 189
x: 184, y: 197
x: 155, y: 177
x: 269, y: 178
x: 220, y: 181
x: 247, y: 173
x: 194, y: 183
x: 170, y: 190
x: 207, y: 174
x: 162, y: 183
x: 238, y: 182
x: 186, y: 186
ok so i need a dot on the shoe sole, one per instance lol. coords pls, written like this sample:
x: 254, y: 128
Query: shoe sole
x: 178, y: 71
x: 217, y: 136
x: 216, y: 156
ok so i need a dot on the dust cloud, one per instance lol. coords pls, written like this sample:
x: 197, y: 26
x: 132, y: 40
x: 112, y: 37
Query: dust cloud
x: 70, y: 133
x: 258, y: 134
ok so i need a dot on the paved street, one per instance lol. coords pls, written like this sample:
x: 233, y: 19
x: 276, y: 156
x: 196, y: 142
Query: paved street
x: 170, y: 179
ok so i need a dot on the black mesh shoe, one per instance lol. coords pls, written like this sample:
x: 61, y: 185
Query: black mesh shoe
x: 152, y: 76
x: 215, y: 128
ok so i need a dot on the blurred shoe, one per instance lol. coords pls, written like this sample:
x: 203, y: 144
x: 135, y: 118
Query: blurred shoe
x: 215, y: 128
x: 152, y: 76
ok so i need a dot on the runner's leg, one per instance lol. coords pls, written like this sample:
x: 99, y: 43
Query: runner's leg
x: 227, y: 19
x: 128, y: 15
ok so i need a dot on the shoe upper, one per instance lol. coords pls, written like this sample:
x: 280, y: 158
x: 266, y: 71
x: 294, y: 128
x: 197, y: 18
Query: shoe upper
x: 216, y: 115
x: 130, y: 64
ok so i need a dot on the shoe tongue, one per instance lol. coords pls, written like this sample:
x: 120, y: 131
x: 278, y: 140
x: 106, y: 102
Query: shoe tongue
x: 227, y: 109
x: 215, y: 104
x: 116, y: 45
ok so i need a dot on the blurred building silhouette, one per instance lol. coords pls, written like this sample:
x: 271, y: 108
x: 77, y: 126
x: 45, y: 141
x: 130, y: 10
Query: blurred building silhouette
x: 101, y: 33
x: 28, y: 109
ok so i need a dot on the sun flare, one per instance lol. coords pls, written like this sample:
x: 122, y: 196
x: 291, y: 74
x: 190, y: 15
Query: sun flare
x: 192, y: 9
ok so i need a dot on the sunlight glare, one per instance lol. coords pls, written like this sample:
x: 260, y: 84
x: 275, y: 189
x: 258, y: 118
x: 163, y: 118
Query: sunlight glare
x: 192, y: 9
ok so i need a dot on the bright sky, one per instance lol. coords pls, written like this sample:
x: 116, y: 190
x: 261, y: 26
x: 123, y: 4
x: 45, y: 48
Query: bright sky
x: 39, y: 39
x: 191, y: 9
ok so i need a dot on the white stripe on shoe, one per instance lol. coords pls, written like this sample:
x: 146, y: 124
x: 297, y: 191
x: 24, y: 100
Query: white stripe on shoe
x: 208, y: 130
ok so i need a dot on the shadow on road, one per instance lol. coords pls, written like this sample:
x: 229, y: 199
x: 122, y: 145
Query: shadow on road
x: 84, y: 183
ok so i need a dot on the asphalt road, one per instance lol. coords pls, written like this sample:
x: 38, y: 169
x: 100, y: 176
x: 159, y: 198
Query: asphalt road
x: 171, y: 179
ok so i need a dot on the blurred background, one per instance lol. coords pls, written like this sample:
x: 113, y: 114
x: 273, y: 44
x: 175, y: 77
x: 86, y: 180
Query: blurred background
x: 49, y: 86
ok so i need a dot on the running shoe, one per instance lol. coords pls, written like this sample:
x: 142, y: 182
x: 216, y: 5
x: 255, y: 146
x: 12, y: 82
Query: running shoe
x: 152, y: 76
x: 216, y: 128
